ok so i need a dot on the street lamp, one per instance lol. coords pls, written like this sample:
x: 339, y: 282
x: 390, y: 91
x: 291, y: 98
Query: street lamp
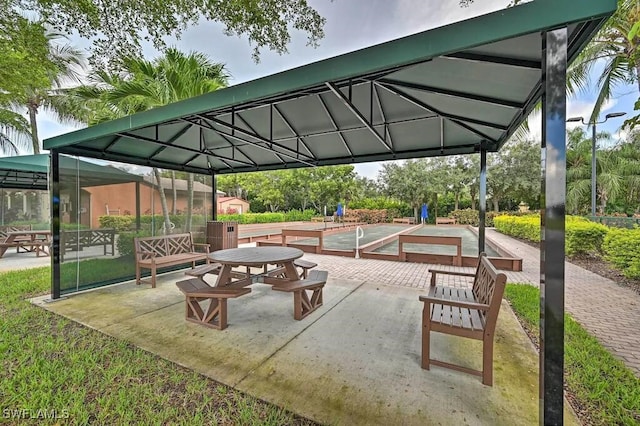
x: 593, y: 152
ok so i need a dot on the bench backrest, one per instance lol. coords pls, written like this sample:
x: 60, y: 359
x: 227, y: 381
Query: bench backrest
x: 488, y: 288
x: 165, y: 245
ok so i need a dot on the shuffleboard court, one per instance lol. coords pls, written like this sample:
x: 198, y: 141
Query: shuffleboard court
x: 347, y: 240
x: 469, y: 242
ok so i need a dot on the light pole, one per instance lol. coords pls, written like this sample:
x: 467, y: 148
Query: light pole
x: 593, y: 152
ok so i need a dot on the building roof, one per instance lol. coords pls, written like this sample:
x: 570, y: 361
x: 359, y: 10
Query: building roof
x: 439, y: 92
x: 32, y: 172
x: 181, y: 185
x: 224, y: 199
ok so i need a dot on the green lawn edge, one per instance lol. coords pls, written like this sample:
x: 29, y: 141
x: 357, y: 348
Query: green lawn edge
x: 55, y: 371
x: 600, y: 383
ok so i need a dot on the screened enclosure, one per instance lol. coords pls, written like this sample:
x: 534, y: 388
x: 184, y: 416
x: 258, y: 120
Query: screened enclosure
x: 103, y: 207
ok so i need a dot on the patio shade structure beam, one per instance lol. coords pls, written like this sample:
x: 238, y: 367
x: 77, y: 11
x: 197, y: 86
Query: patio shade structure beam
x: 502, y: 60
x: 294, y: 154
x: 335, y: 125
x: 347, y: 102
x: 299, y: 137
x: 270, y: 139
x: 454, y: 93
x: 234, y: 148
x: 459, y: 120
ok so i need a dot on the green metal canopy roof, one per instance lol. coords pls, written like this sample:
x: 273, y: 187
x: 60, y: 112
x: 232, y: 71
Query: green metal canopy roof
x: 440, y: 92
x: 32, y: 171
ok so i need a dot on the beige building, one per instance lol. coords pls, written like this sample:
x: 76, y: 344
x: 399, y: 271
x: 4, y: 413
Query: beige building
x: 230, y: 205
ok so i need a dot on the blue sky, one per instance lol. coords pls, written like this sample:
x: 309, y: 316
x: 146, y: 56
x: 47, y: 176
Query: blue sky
x: 351, y: 25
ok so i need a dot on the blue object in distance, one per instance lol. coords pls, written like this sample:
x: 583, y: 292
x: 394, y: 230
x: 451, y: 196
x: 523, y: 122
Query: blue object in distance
x: 339, y: 210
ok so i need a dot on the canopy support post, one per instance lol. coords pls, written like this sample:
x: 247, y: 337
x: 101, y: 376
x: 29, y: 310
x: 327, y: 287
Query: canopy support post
x: 552, y: 226
x: 482, y: 199
x: 55, y: 223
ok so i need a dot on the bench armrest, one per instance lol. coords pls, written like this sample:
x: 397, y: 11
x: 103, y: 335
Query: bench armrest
x: 435, y: 272
x: 457, y: 303
x: 146, y: 254
x: 206, y: 247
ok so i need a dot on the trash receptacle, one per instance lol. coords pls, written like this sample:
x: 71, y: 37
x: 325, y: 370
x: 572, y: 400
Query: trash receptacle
x: 222, y: 235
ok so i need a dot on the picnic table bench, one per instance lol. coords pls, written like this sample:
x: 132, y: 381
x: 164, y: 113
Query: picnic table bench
x: 196, y: 291
x: 168, y: 250
x: 303, y: 302
x: 466, y: 312
x: 445, y: 221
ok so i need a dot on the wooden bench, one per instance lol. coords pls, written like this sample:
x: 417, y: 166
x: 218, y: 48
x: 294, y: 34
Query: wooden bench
x: 195, y: 291
x: 77, y: 240
x: 168, y: 250
x: 445, y: 221
x: 408, y: 220
x: 303, y: 305
x: 466, y: 312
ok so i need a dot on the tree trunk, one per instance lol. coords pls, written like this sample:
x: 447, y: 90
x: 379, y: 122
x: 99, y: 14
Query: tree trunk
x: 496, y: 206
x: 415, y: 212
x: 189, y: 220
x: 457, y: 201
x: 163, y: 202
x: 32, y: 108
x: 435, y: 215
x: 174, y: 192
x: 473, y: 203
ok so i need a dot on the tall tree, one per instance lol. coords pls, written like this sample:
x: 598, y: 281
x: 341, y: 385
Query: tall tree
x: 117, y: 28
x: 615, y: 50
x: 408, y: 181
x: 66, y: 65
x: 146, y: 85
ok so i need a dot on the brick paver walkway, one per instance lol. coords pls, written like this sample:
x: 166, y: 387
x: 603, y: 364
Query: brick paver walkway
x: 610, y: 312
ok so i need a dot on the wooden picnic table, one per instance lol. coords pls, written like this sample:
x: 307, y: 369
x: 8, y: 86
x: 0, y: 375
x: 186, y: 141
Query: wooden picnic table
x: 254, y: 257
x: 28, y: 240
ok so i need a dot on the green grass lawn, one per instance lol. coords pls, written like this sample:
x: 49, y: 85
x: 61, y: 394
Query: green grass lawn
x: 601, y: 384
x: 53, y: 366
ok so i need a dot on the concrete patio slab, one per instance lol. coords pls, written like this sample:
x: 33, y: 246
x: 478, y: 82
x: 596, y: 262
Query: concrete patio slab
x: 356, y: 360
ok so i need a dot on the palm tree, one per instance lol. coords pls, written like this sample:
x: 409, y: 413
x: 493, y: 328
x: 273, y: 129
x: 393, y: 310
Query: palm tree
x: 143, y: 85
x: 66, y: 65
x: 14, y: 131
x: 616, y: 45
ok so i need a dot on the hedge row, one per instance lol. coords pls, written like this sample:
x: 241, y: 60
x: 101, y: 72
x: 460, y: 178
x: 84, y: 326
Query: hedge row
x: 622, y: 248
x: 127, y: 222
x: 581, y: 236
x: 368, y: 215
x: 290, y: 216
x: 472, y: 217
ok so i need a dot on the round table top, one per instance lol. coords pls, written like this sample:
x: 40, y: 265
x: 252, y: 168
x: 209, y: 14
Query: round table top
x: 255, y: 256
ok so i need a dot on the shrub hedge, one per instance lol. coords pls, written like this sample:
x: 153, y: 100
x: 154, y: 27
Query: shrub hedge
x: 472, y: 217
x: 525, y: 227
x: 622, y: 248
x: 125, y: 242
x: 582, y: 236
